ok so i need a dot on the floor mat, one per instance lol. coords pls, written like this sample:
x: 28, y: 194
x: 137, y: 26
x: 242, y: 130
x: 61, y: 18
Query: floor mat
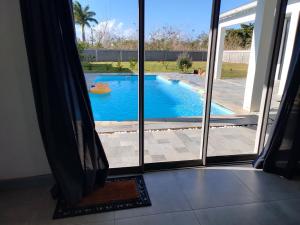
x: 118, y: 193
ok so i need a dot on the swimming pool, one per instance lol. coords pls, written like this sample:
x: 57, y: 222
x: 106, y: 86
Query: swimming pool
x: 163, y: 99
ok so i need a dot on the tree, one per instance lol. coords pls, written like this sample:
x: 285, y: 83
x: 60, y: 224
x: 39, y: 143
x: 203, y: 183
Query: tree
x: 203, y: 40
x: 247, y: 31
x: 165, y: 38
x: 239, y: 38
x: 83, y: 17
x: 81, y: 46
x: 233, y: 39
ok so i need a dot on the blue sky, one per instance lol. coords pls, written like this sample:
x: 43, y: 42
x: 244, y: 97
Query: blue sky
x: 190, y: 16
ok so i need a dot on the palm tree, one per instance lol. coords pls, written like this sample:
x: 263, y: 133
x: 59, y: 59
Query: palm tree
x: 83, y: 17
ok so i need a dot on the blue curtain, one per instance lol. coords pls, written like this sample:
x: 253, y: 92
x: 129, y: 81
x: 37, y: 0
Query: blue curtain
x: 281, y: 154
x: 74, y: 151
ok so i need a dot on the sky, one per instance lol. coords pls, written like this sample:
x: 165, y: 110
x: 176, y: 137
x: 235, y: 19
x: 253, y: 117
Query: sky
x: 189, y: 16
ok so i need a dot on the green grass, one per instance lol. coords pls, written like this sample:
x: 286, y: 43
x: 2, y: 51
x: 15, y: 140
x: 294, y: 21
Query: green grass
x: 229, y: 70
x: 234, y: 70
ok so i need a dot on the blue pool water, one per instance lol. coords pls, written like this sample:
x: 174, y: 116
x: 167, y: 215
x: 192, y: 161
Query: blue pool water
x: 163, y: 99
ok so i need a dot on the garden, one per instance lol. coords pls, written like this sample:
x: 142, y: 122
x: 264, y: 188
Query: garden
x: 229, y: 70
x: 165, y: 38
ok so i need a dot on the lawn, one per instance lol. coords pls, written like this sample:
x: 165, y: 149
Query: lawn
x: 229, y: 70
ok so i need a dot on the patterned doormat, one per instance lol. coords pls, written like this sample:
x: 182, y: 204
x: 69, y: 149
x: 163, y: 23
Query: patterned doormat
x: 118, y: 193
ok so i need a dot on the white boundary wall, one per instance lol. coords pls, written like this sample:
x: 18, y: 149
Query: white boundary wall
x: 238, y: 56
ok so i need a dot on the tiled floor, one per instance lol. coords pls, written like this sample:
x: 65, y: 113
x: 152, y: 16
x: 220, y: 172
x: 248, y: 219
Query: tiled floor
x: 211, y: 196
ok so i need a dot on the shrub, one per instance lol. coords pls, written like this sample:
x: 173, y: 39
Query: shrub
x: 89, y: 59
x: 184, y: 62
x: 89, y: 65
x: 132, y: 63
x: 165, y: 64
x: 81, y: 46
x: 107, y: 67
x: 119, y: 66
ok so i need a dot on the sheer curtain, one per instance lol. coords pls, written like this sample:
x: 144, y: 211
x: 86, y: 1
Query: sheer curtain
x: 74, y: 151
x: 281, y: 154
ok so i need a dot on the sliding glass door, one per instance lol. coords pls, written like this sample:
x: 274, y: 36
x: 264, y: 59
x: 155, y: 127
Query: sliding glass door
x: 171, y: 86
x: 176, y: 44
x: 246, y: 58
x: 109, y: 51
x: 233, y: 119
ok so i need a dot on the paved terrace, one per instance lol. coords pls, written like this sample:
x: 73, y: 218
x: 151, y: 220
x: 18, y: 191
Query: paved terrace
x: 176, y: 139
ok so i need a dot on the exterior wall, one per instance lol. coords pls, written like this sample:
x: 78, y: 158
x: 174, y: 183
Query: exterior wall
x: 111, y: 55
x: 227, y: 20
x: 260, y: 54
x: 236, y: 56
x: 22, y: 151
x: 293, y: 11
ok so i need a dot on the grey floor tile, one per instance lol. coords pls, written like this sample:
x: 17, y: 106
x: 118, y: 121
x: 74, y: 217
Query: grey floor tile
x: 269, y: 186
x: 210, y: 188
x: 74, y: 222
x: 5, y: 222
x: 165, y: 194
x: 249, y: 214
x: 99, y: 218
x: 100, y: 223
x: 286, y: 211
x: 43, y: 213
x: 227, y: 196
x: 19, y: 206
x: 275, y: 213
x: 179, y: 218
x: 23, y: 196
x: 17, y: 214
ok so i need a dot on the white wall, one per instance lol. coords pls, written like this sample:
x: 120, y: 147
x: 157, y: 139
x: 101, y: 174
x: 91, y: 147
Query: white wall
x: 293, y: 10
x: 260, y: 52
x: 21, y: 150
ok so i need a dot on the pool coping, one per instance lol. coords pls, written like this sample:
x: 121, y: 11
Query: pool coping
x: 176, y: 123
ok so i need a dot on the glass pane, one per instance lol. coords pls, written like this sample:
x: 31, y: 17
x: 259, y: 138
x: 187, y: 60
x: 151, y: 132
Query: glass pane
x: 108, y: 49
x: 233, y: 122
x: 283, y: 64
x: 176, y: 42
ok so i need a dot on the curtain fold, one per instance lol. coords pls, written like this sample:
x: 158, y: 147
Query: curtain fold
x: 74, y: 151
x: 281, y: 154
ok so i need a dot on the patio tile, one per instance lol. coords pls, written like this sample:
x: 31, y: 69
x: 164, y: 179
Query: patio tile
x: 158, y: 158
x: 185, y: 138
x: 163, y: 141
x: 171, y: 144
x: 181, y: 150
x: 222, y: 141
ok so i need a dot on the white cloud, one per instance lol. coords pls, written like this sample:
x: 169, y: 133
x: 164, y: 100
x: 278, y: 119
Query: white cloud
x: 108, y: 29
